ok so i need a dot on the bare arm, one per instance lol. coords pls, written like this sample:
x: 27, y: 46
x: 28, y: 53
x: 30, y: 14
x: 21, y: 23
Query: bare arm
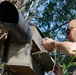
x: 64, y: 47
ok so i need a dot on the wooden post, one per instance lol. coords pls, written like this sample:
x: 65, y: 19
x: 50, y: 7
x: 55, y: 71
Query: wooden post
x: 24, y: 58
x: 20, y: 60
x: 28, y: 59
x: 39, y: 54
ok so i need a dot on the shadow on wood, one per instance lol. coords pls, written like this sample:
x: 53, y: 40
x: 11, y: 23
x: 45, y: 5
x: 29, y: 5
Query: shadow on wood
x: 44, y: 60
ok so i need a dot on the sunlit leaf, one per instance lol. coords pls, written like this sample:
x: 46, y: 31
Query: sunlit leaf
x: 64, y: 66
x: 74, y: 50
x: 67, y: 48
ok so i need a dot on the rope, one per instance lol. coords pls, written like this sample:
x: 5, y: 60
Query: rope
x: 55, y: 49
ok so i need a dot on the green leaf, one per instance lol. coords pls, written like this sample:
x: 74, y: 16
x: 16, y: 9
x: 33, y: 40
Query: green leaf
x: 2, y: 65
x: 72, y: 64
x: 67, y: 48
x: 74, y: 50
x: 64, y: 66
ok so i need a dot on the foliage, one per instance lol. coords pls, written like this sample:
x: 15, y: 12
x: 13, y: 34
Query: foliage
x: 2, y: 65
x: 52, y: 17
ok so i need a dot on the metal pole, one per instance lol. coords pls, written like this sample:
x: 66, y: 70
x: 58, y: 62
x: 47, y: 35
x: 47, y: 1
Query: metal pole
x: 15, y: 23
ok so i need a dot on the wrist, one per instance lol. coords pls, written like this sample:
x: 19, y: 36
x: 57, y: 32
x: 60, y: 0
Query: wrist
x: 55, y: 45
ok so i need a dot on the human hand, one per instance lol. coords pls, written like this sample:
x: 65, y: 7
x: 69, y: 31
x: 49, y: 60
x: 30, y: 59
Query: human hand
x: 48, y: 44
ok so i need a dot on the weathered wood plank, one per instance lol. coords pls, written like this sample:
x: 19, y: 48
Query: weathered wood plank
x: 37, y: 39
x: 45, y: 61
x: 20, y: 60
x: 21, y: 70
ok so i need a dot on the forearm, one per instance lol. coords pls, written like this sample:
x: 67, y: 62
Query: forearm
x: 65, y: 47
